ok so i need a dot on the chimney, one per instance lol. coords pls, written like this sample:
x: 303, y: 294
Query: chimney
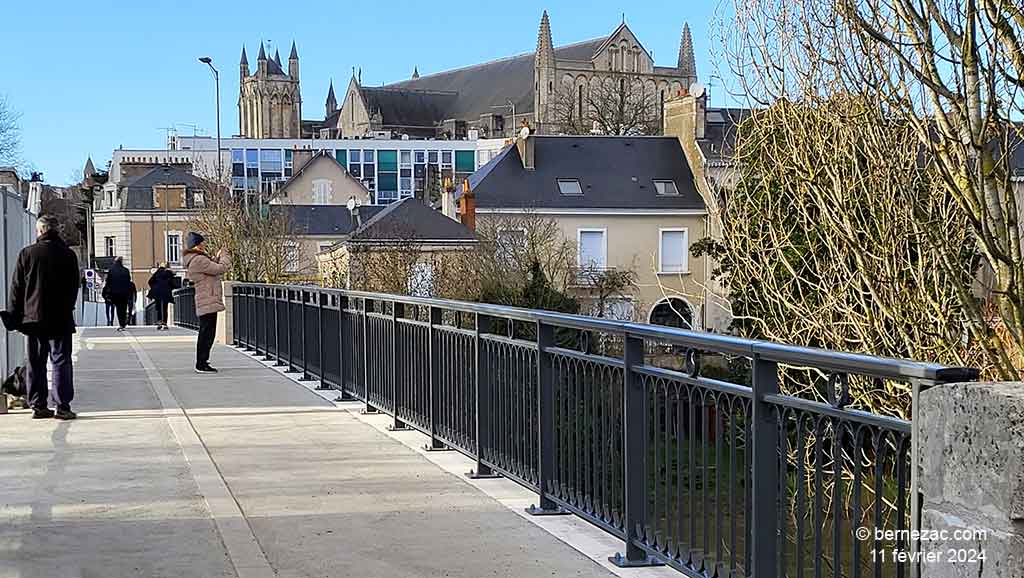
x: 448, y: 199
x: 467, y: 206
x: 525, y: 144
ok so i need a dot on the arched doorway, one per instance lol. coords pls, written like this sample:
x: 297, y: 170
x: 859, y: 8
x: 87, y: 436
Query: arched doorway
x: 672, y: 312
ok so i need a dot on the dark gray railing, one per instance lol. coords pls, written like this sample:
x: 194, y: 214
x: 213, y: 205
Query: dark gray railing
x: 185, y: 308
x: 711, y: 476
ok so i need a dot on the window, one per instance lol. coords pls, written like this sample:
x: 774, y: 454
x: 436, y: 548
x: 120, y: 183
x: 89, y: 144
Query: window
x: 387, y: 177
x: 342, y: 156
x: 356, y: 156
x: 592, y: 248
x: 173, y: 253
x: 321, y: 191
x: 666, y: 187
x: 108, y: 246
x: 421, y: 279
x: 672, y: 312
x: 569, y: 187
x: 446, y: 158
x: 291, y: 257
x: 465, y: 161
x: 672, y: 251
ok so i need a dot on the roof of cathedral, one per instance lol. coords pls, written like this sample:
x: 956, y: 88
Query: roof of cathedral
x: 614, y: 172
x: 480, y: 87
x: 409, y: 108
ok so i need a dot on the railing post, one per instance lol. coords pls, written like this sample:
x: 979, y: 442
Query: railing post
x: 277, y: 329
x: 366, y: 394
x: 303, y: 301
x: 764, y: 532
x: 320, y: 296
x: 435, y: 380
x: 482, y: 324
x: 635, y: 430
x: 342, y: 344
x: 545, y: 424
x: 397, y: 312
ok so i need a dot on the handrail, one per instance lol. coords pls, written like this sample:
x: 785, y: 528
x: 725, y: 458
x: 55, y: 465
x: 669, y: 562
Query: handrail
x: 835, y: 361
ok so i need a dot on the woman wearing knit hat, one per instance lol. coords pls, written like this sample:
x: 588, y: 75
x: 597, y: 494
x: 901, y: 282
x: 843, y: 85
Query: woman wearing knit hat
x: 205, y: 272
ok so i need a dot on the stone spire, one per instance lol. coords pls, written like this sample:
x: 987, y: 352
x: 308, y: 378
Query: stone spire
x: 293, y: 62
x: 90, y: 170
x: 332, y: 103
x: 277, y: 58
x: 263, y: 55
x: 243, y: 65
x: 687, y: 63
x: 545, y: 48
x: 415, y: 72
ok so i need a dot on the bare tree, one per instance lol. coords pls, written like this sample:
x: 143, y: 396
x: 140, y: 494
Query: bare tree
x: 951, y: 73
x: 258, y: 240
x: 604, y: 286
x: 10, y: 133
x: 612, y: 105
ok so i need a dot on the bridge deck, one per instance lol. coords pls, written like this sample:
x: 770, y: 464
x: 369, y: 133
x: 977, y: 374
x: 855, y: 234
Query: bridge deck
x: 169, y: 473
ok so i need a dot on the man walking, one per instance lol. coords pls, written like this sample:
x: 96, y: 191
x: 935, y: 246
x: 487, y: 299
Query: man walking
x: 119, y: 288
x: 41, y: 305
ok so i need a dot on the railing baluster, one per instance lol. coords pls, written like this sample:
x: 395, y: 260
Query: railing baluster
x: 764, y: 522
x: 366, y: 358
x: 482, y: 399
x: 635, y: 429
x: 434, y: 376
x: 546, y: 424
x: 397, y: 394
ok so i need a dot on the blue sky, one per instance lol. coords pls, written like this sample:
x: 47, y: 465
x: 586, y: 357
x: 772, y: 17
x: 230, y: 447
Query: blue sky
x: 88, y: 77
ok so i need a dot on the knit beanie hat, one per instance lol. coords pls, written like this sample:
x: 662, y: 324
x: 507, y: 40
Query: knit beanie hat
x: 193, y: 240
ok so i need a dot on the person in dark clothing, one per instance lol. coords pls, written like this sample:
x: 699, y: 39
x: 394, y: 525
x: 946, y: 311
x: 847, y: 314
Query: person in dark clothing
x: 119, y: 288
x: 109, y: 305
x: 41, y: 304
x: 133, y: 295
x: 161, y: 285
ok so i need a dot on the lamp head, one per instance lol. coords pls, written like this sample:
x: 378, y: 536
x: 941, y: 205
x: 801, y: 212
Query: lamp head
x: 206, y: 60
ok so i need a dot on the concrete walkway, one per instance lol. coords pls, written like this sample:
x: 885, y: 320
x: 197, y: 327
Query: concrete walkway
x: 248, y: 474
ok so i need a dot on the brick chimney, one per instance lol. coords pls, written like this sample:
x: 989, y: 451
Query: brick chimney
x: 525, y: 143
x: 467, y: 206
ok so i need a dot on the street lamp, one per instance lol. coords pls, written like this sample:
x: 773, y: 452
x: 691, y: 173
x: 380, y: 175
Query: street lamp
x: 216, y: 78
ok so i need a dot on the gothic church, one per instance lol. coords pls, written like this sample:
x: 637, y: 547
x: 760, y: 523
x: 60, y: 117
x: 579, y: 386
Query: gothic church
x: 269, y: 102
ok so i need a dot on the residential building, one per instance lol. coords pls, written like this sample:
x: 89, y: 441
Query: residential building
x: 321, y: 180
x: 492, y: 99
x: 315, y: 229
x: 422, y: 236
x: 145, y: 220
x: 625, y: 202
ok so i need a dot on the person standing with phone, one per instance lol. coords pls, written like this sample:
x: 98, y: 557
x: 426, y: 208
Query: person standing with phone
x: 206, y: 274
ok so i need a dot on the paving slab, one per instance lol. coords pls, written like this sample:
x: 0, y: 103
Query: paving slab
x: 318, y: 491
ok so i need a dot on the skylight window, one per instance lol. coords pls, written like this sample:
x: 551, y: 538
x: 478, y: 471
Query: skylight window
x: 666, y: 187
x: 570, y: 187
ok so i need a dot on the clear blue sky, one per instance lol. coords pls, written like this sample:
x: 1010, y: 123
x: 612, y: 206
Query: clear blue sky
x: 88, y: 77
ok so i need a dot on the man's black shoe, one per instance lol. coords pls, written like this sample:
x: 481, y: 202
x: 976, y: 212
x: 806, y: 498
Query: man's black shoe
x: 43, y: 413
x: 205, y: 369
x: 64, y: 414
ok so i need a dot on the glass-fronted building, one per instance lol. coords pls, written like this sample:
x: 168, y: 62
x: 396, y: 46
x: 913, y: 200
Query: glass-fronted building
x: 390, y: 169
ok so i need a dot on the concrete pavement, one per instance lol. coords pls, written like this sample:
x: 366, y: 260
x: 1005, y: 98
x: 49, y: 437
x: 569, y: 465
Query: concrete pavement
x: 246, y: 473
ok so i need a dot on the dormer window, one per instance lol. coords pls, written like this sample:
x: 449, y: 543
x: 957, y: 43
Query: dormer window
x: 667, y: 188
x: 570, y: 187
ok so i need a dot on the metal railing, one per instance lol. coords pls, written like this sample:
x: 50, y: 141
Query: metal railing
x: 185, y: 308
x: 710, y: 476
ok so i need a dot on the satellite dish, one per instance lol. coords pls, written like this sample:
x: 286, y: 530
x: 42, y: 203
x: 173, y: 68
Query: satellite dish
x: 351, y: 204
x: 697, y: 89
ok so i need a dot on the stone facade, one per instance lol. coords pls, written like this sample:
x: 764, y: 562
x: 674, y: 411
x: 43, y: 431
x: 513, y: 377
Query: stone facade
x: 971, y: 478
x: 269, y: 102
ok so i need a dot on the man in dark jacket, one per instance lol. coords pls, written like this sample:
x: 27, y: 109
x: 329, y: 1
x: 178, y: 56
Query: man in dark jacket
x: 119, y: 289
x: 41, y: 305
x: 161, y: 287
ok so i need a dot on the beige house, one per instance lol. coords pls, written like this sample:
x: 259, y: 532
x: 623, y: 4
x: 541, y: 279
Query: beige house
x: 145, y: 219
x: 321, y: 180
x: 626, y: 203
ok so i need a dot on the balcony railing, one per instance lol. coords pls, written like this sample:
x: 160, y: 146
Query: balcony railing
x: 713, y: 476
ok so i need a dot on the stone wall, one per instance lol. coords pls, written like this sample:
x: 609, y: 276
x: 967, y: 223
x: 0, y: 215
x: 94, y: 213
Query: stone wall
x: 971, y: 479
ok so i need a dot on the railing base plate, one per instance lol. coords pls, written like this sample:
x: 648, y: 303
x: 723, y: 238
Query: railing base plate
x: 436, y: 447
x: 398, y: 427
x: 474, y: 475
x: 534, y: 510
x: 621, y: 561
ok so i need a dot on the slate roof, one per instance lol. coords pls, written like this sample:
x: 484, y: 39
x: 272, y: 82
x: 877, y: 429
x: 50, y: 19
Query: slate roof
x: 322, y: 220
x: 411, y: 220
x: 409, y: 108
x: 614, y: 173
x: 719, y: 142
x: 138, y: 193
x: 322, y: 154
x: 481, y: 86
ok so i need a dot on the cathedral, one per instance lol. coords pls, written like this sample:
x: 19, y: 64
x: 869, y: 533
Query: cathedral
x: 269, y: 102
x: 493, y: 99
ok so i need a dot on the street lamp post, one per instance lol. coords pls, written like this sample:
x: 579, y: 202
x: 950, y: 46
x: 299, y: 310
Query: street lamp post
x: 216, y: 79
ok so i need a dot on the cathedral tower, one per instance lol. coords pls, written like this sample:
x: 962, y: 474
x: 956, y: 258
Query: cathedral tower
x: 269, y: 101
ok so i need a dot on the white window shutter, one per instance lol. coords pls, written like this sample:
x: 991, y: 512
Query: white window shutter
x: 592, y: 249
x: 674, y: 251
